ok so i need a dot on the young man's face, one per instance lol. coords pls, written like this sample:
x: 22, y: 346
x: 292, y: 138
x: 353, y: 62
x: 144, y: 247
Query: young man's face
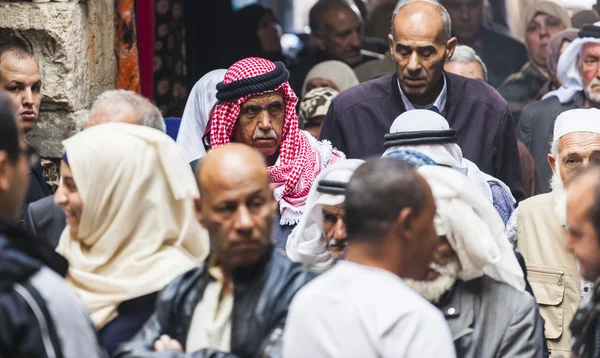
x: 582, y: 238
x: 20, y: 81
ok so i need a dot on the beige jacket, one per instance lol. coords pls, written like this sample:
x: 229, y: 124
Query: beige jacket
x: 551, y: 270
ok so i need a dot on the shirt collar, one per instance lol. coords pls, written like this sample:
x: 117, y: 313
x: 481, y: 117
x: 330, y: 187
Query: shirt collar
x: 439, y: 103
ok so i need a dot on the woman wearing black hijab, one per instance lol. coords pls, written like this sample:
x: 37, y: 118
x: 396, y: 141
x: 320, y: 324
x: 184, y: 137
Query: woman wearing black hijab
x: 257, y: 34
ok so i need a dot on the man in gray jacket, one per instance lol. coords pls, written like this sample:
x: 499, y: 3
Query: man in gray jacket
x: 475, y: 279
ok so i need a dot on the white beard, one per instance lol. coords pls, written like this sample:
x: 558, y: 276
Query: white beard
x: 589, y: 92
x: 560, y: 196
x: 432, y: 291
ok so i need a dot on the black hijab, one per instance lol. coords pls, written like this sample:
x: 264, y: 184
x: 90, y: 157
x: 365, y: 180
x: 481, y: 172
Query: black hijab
x: 246, y: 42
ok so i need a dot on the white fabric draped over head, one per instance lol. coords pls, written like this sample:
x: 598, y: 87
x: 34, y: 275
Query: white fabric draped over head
x: 473, y: 228
x: 339, y: 73
x: 568, y: 70
x: 200, y: 103
x: 443, y: 154
x: 307, y: 243
x: 137, y: 229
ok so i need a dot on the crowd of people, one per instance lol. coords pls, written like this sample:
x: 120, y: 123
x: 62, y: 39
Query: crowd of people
x: 441, y: 199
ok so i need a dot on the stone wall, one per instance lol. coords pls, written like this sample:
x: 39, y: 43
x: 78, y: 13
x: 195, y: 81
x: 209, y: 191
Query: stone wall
x: 74, y: 45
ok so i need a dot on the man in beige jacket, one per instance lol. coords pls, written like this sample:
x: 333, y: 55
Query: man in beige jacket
x: 538, y: 228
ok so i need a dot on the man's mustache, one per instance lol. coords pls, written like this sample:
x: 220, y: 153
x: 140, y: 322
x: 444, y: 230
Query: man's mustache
x: 261, y: 134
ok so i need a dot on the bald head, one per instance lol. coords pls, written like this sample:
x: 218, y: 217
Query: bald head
x: 229, y: 166
x: 425, y: 15
x: 236, y: 204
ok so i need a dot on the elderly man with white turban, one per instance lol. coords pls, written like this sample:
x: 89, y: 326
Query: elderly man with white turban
x: 429, y: 133
x: 475, y: 279
x: 320, y: 236
x: 579, y: 73
x: 538, y: 227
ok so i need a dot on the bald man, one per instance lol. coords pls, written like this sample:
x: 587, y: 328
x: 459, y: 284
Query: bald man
x: 420, y: 44
x: 43, y: 217
x: 246, y: 285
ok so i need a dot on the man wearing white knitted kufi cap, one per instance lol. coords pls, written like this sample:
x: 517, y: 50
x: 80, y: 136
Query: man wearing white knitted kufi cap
x: 475, y: 279
x: 429, y: 133
x: 320, y: 236
x: 538, y: 227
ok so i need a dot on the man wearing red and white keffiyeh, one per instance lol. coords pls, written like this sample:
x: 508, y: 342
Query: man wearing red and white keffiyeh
x: 257, y: 107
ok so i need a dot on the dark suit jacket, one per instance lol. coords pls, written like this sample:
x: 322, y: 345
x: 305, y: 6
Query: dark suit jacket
x: 502, y: 56
x: 37, y: 184
x: 359, y: 117
x: 536, y: 129
x: 46, y: 220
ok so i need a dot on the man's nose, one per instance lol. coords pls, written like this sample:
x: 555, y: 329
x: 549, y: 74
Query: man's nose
x: 339, y: 232
x: 465, y: 16
x: 264, y: 120
x: 356, y: 39
x: 243, y: 220
x: 414, y: 64
x: 28, y: 96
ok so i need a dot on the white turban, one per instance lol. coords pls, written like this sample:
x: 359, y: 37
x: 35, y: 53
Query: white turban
x: 473, y: 228
x: 443, y: 154
x: 307, y: 243
x: 577, y: 120
x: 196, y: 114
x: 568, y: 70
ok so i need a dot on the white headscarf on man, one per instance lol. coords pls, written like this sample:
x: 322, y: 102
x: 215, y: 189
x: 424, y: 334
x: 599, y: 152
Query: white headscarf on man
x: 568, y: 70
x: 443, y: 154
x: 137, y: 229
x: 196, y: 114
x: 473, y: 228
x: 337, y: 72
x: 307, y: 243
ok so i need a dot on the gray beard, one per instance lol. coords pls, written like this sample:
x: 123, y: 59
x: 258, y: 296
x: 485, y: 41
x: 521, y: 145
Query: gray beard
x: 432, y: 291
x: 560, y: 197
x: 590, y: 94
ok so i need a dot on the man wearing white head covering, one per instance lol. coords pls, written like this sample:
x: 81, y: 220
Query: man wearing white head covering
x: 475, y: 279
x: 200, y: 104
x: 579, y: 73
x: 537, y: 227
x: 429, y: 133
x: 320, y: 236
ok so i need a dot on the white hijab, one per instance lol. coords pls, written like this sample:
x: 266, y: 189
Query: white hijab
x: 307, y: 243
x: 137, y: 229
x: 201, y: 101
x: 337, y: 72
x: 473, y: 228
x: 443, y: 154
x: 568, y: 70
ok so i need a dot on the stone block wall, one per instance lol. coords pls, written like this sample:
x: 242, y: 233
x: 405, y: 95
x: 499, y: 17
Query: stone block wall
x: 74, y: 45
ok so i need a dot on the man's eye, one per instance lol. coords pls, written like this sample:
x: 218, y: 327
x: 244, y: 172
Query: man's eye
x: 330, y: 218
x: 13, y: 89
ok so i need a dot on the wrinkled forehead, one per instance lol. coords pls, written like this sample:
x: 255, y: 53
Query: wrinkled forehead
x: 264, y: 99
x: 13, y: 66
x: 582, y: 143
x: 589, y: 49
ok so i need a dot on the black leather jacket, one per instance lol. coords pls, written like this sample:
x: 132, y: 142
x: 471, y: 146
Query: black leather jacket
x: 585, y: 326
x: 262, y: 295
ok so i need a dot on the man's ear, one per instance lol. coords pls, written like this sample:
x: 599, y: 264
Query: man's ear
x: 198, y: 211
x: 404, y: 224
x: 318, y: 39
x: 391, y: 43
x: 450, y: 47
x: 274, y: 204
x: 552, y: 162
x: 4, y: 172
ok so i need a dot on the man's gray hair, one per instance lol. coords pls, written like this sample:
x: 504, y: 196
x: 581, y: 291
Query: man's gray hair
x: 465, y: 54
x: 147, y: 114
x: 443, y: 12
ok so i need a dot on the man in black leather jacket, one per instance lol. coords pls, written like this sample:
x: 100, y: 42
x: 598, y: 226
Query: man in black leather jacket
x: 237, y: 207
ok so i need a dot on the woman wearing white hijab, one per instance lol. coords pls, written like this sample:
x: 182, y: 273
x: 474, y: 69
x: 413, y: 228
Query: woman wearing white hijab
x: 308, y: 243
x: 128, y: 195
x: 201, y: 102
x: 332, y: 74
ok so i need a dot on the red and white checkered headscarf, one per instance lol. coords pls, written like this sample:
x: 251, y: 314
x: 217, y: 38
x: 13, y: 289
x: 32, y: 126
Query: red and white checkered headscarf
x: 295, y: 169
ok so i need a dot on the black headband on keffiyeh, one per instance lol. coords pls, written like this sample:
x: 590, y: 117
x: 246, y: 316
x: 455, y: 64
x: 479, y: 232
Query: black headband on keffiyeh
x: 252, y: 85
x: 589, y: 31
x: 419, y: 138
x: 331, y: 187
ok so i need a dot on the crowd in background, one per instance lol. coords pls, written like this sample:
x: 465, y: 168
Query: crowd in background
x: 430, y: 190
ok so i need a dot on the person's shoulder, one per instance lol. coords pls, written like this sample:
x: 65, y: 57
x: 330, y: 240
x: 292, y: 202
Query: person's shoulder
x: 364, y: 93
x: 478, y: 93
x: 290, y: 274
x: 510, y: 296
x: 545, y: 198
x: 502, y: 39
